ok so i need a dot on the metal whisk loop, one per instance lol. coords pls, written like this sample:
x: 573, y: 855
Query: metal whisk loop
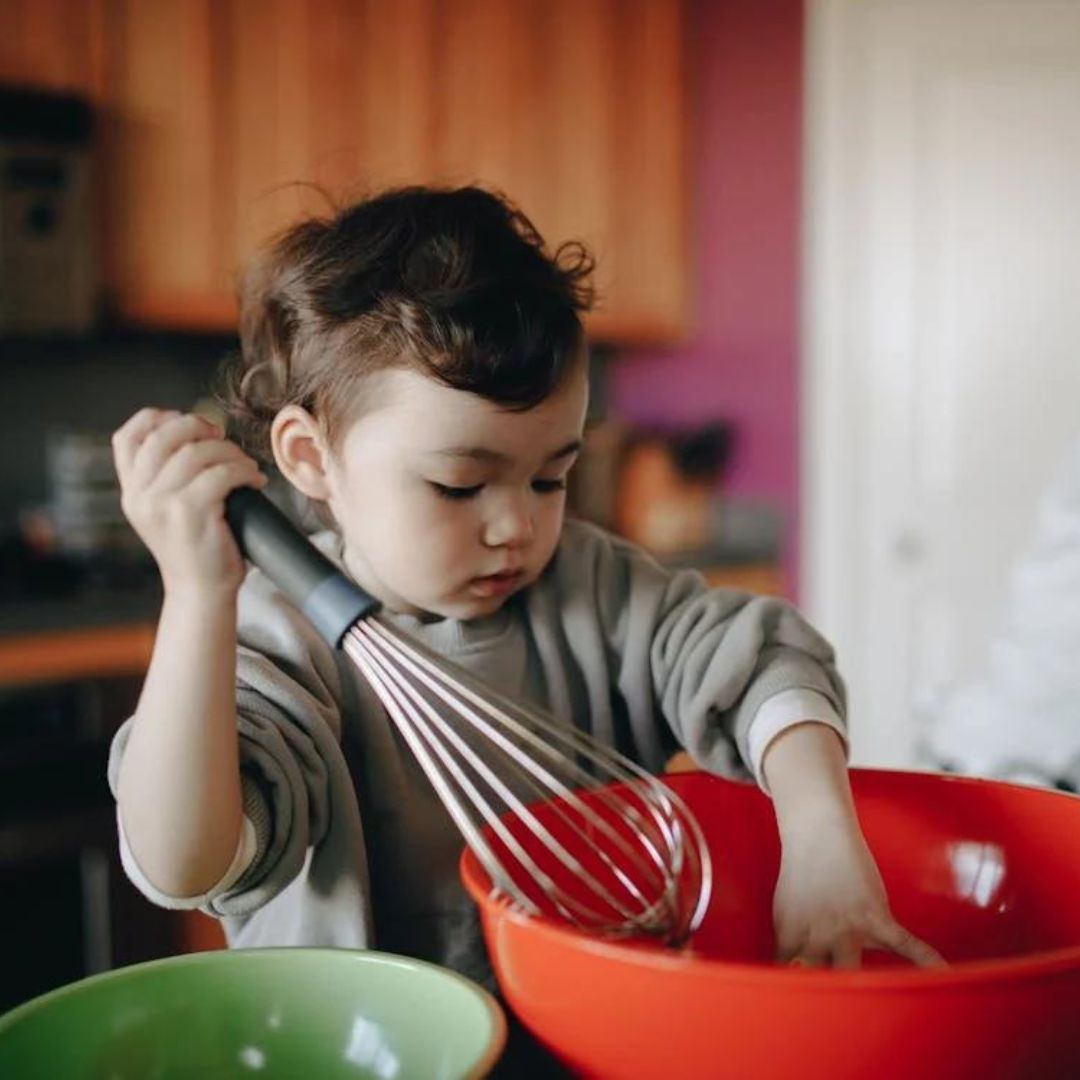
x: 462, y: 710
x: 665, y: 856
x: 397, y: 686
x: 404, y: 714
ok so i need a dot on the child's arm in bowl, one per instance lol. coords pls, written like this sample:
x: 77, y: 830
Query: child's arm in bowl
x: 830, y: 902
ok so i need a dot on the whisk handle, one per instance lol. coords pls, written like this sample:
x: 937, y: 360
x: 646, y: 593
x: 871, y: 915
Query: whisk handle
x: 269, y: 539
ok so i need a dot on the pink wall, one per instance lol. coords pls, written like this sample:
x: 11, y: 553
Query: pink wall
x: 741, y: 361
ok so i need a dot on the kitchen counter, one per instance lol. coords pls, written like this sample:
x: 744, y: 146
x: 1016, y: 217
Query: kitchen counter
x: 56, y: 640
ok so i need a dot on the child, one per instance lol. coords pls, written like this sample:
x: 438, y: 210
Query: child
x: 415, y: 367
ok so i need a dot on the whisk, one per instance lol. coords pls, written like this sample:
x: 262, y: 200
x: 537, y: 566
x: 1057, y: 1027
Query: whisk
x: 564, y: 825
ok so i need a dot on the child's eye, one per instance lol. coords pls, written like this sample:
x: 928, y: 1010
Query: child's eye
x: 456, y: 494
x: 544, y: 487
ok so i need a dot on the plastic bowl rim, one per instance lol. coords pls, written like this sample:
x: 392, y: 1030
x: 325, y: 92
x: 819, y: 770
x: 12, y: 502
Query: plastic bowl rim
x: 496, y: 1040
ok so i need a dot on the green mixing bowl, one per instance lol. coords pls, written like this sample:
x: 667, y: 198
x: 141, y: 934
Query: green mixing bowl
x: 265, y: 1013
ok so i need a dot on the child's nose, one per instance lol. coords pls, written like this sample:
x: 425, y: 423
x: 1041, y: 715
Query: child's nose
x: 512, y: 523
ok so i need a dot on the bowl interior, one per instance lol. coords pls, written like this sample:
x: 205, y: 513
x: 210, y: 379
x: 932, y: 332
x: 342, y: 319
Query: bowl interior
x: 272, y: 1012
x: 979, y: 869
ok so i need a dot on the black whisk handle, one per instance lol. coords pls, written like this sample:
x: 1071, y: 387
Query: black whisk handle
x: 269, y: 539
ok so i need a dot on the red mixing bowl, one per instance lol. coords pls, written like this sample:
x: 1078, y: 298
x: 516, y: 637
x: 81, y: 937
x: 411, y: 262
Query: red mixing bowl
x: 988, y: 873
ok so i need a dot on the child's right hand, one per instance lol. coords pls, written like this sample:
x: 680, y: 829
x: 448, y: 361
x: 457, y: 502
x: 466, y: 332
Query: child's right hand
x: 175, y: 472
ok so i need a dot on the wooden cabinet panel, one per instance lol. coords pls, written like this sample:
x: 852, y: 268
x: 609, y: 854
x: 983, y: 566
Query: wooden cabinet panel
x: 328, y: 98
x: 223, y: 121
x: 267, y: 112
x: 577, y: 111
x: 482, y: 85
x: 580, y: 102
x: 166, y: 162
x: 52, y: 44
x: 370, y: 93
x: 522, y: 105
x: 648, y: 252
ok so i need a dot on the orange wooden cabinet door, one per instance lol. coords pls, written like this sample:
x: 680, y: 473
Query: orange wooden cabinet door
x: 330, y: 99
x: 52, y: 44
x: 648, y: 182
x: 617, y: 83
x: 576, y: 108
x: 222, y: 121
x: 166, y: 164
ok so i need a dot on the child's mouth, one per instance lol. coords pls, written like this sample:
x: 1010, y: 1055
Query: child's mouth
x: 496, y: 584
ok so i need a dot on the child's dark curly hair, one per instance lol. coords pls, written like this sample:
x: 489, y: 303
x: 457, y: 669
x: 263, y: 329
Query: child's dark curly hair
x: 456, y: 284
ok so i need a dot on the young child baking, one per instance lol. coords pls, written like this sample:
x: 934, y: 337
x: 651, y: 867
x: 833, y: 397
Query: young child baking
x: 414, y: 366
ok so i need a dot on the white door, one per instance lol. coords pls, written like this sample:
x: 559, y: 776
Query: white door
x: 941, y: 329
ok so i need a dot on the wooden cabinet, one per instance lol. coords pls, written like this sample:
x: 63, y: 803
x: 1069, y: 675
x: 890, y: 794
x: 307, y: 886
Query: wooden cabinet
x: 576, y: 109
x: 166, y: 164
x: 223, y: 119
x: 56, y: 44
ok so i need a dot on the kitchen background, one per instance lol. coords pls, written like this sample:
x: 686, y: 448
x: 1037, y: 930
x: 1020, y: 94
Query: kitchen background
x: 715, y: 154
x: 664, y: 134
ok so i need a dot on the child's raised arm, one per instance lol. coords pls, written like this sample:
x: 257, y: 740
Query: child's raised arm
x: 179, y: 790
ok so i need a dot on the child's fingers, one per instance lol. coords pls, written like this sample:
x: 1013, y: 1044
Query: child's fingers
x: 804, y: 953
x: 904, y: 943
x: 164, y: 440
x: 810, y: 958
x: 787, y: 950
x: 847, y: 953
x: 212, y: 485
x: 193, y: 458
x: 130, y: 436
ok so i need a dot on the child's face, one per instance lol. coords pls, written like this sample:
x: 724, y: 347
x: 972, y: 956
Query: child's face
x: 448, y: 504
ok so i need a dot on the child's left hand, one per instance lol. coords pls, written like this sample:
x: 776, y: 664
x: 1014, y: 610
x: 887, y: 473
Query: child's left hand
x: 830, y: 904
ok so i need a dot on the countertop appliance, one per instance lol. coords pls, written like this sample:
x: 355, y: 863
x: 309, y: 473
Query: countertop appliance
x: 49, y: 283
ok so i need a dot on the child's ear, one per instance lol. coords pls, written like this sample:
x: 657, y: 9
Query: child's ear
x: 300, y: 452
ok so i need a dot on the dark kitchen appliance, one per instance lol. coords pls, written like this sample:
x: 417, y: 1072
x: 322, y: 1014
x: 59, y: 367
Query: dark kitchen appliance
x: 49, y: 283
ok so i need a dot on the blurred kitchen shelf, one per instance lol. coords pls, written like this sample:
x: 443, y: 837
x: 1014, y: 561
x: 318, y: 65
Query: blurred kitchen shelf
x: 87, y: 652
x: 749, y: 569
x: 765, y: 579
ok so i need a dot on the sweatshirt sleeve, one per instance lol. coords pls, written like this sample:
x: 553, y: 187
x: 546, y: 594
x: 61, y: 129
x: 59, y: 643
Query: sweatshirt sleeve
x: 246, y: 851
x: 727, y: 670
x: 288, y: 687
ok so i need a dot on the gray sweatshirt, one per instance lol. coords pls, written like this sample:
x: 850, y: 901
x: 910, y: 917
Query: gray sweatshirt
x: 346, y: 844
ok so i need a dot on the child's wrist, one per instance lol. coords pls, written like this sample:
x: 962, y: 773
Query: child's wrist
x: 200, y: 594
x: 818, y: 819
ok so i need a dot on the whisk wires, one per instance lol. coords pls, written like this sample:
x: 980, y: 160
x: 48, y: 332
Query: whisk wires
x: 561, y: 823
